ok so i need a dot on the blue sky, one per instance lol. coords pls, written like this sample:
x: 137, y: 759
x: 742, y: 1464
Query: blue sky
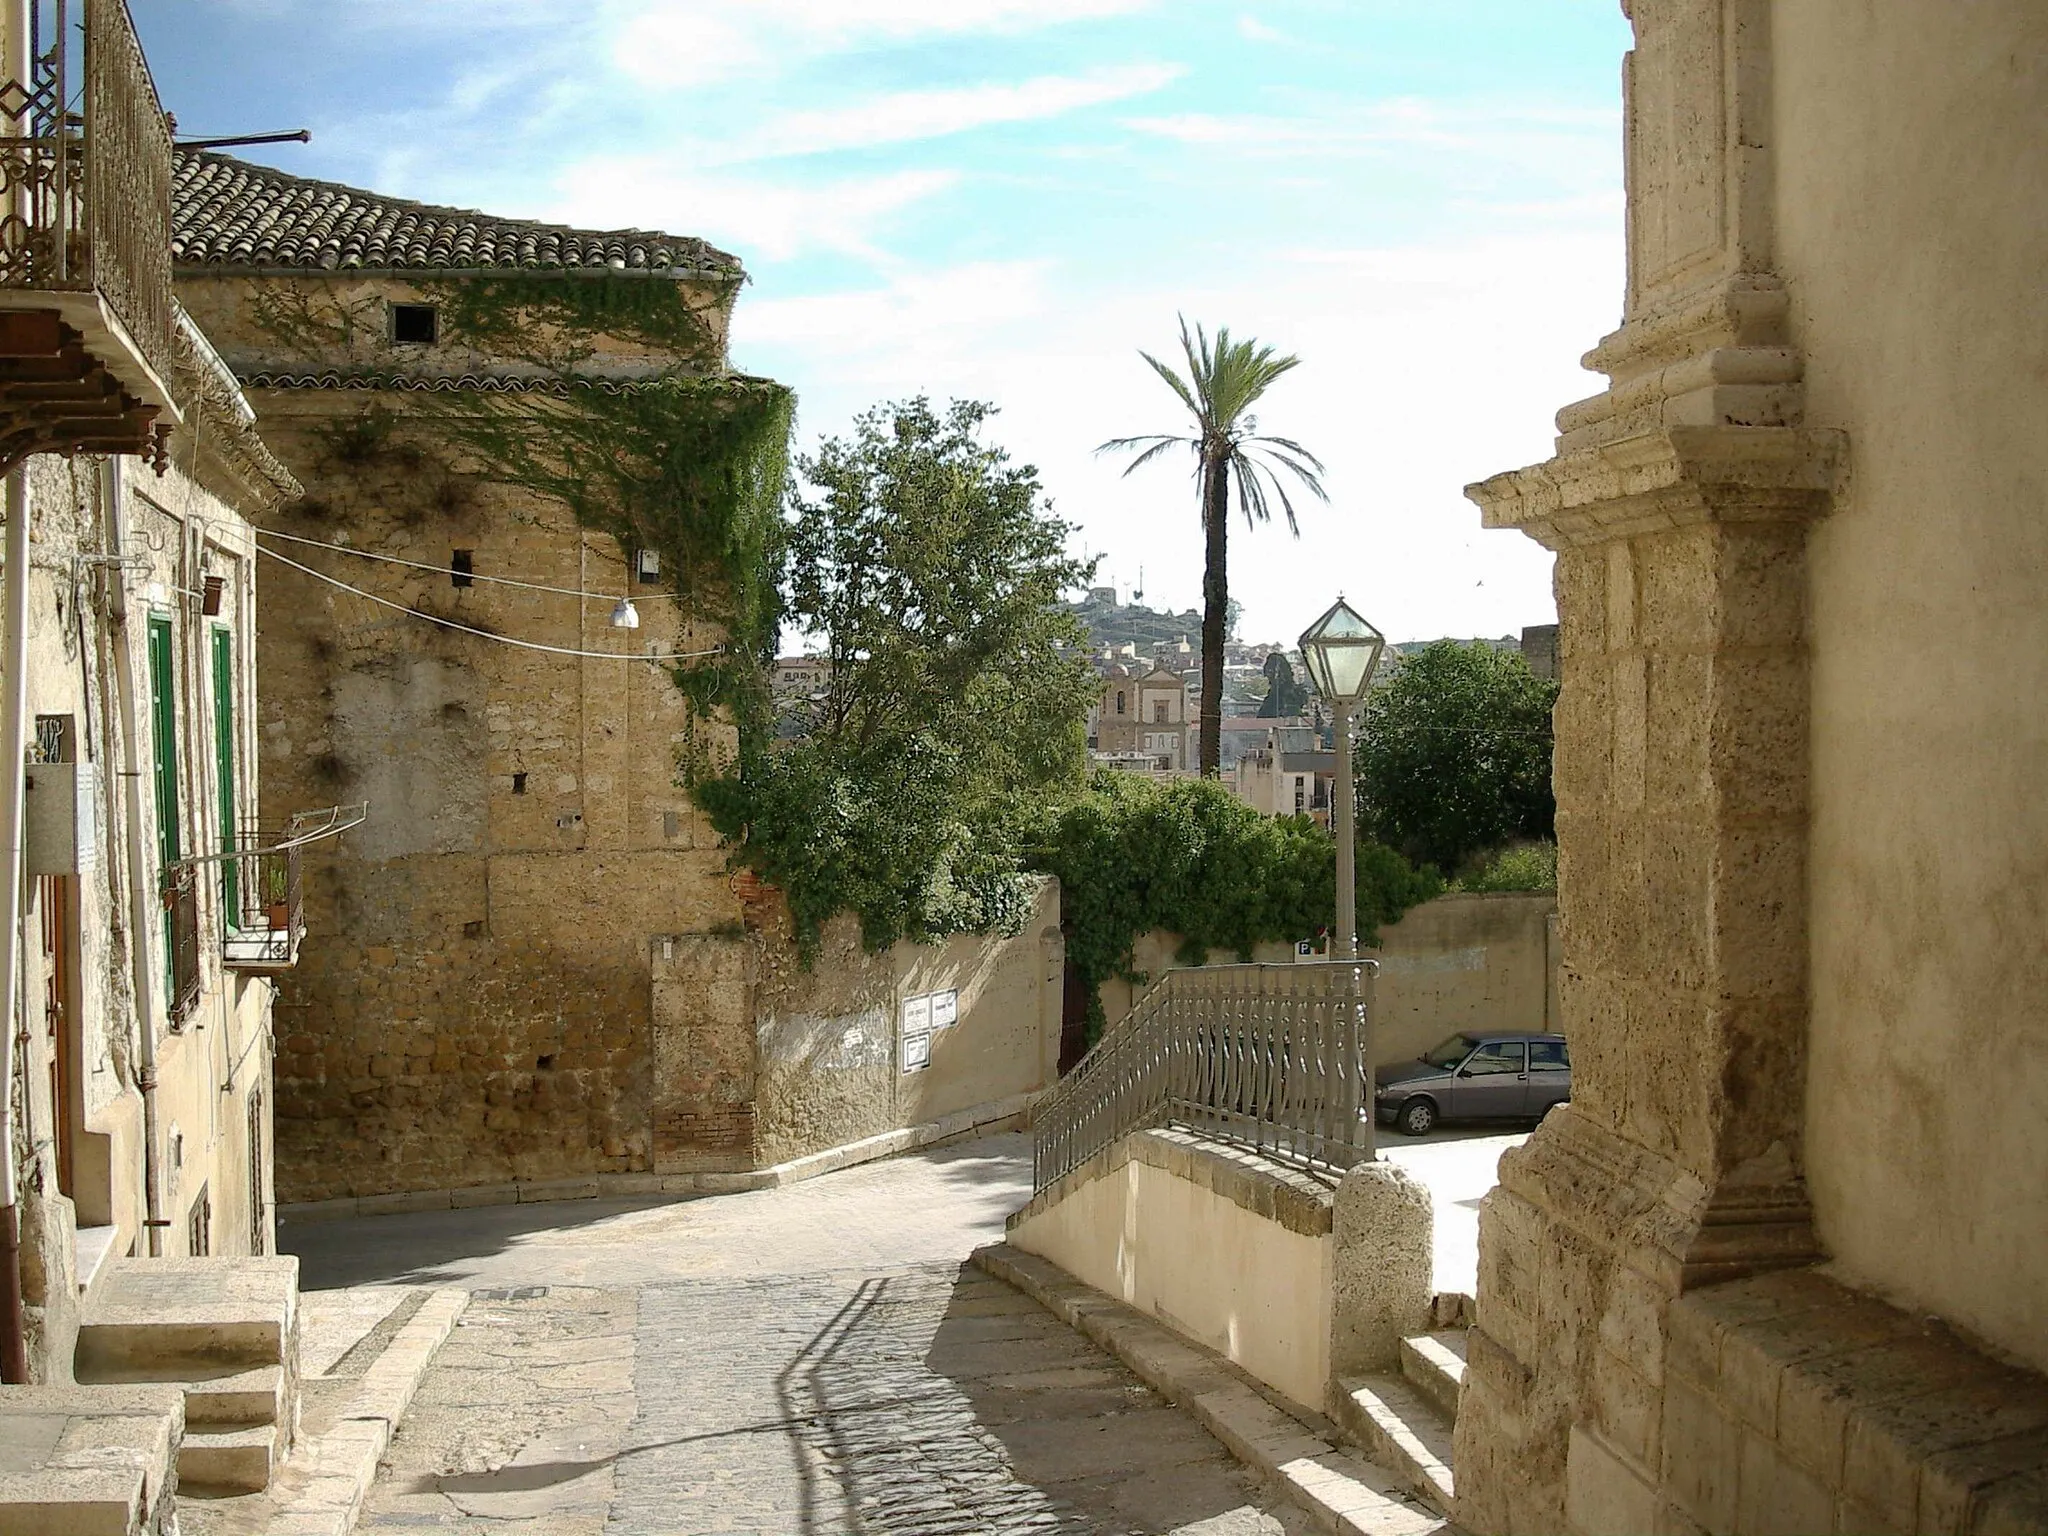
x: 1006, y: 199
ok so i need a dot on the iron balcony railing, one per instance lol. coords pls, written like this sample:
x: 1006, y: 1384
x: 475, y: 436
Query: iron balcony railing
x: 1267, y: 1056
x: 181, y: 938
x: 263, y: 897
x: 85, y: 185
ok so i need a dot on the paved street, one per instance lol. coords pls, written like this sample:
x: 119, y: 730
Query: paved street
x: 815, y: 1359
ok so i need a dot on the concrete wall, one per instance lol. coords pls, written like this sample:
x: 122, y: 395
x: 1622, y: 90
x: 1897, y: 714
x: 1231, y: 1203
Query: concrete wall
x: 831, y: 1065
x: 1459, y: 962
x: 1233, y: 1251
x: 1913, y: 237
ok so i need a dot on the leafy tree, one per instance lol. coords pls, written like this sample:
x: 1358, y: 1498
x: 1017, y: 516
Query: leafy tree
x: 934, y: 571
x: 1285, y: 696
x: 1455, y: 755
x: 1223, y: 382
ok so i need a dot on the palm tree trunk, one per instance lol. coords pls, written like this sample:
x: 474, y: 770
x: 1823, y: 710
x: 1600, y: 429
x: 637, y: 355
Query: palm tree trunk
x: 1215, y: 607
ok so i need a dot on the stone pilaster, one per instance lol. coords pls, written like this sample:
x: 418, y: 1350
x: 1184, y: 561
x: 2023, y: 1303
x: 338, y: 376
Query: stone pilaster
x: 1678, y: 506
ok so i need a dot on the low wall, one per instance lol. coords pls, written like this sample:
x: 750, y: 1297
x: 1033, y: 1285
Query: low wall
x: 1232, y: 1250
x: 1460, y: 962
x: 862, y: 1044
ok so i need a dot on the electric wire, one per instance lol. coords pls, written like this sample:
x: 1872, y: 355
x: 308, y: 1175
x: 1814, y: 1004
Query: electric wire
x: 442, y: 570
x: 485, y: 634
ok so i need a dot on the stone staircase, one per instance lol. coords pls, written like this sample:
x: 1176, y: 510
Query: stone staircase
x: 89, y: 1461
x: 1404, y: 1421
x: 222, y: 1331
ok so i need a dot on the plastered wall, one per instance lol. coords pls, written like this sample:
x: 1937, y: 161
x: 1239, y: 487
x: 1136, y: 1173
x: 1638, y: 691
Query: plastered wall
x: 1913, y: 241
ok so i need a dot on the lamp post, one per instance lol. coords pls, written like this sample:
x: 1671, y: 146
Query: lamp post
x: 1341, y: 650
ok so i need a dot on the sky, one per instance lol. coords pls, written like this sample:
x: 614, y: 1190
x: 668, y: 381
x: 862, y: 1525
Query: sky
x: 1009, y: 199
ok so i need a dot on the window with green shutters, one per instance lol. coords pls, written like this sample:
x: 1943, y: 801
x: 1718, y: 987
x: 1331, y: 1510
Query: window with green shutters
x: 224, y: 767
x: 163, y: 716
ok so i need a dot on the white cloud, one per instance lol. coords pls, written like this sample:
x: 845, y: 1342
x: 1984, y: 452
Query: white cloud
x: 905, y: 116
x: 690, y: 42
x: 1258, y: 31
x: 750, y: 216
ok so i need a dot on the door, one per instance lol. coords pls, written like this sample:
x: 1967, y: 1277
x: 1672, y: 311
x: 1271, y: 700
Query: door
x: 1494, y: 1083
x: 60, y: 1014
x: 224, y: 768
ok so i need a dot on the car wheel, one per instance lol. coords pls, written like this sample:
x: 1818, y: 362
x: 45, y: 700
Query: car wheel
x: 1417, y: 1117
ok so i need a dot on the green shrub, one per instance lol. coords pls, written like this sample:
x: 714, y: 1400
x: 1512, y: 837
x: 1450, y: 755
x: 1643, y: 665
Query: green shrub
x: 1531, y: 867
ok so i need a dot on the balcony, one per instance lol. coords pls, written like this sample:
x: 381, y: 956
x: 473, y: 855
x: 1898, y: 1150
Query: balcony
x: 265, y: 909
x: 87, y: 337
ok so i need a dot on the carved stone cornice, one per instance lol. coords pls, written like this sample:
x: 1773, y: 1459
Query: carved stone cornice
x: 1671, y: 478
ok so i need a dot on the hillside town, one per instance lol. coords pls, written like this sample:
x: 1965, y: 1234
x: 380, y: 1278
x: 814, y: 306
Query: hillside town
x: 584, y: 952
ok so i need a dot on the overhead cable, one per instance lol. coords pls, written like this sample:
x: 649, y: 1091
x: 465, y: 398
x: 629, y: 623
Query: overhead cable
x: 485, y: 634
x: 442, y: 570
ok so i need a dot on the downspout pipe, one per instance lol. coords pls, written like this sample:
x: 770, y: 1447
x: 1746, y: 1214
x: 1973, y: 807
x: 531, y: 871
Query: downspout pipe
x: 141, y: 881
x: 13, y: 762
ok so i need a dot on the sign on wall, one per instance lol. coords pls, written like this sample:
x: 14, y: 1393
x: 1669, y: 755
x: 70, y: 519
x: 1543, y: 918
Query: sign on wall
x: 924, y: 1016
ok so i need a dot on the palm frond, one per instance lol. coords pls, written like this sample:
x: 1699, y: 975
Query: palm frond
x: 1155, y: 450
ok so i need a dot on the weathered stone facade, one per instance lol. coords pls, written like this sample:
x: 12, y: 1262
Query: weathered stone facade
x: 1613, y: 1384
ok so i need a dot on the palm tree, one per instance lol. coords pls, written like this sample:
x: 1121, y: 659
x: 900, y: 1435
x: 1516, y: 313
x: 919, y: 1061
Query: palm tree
x: 1223, y: 382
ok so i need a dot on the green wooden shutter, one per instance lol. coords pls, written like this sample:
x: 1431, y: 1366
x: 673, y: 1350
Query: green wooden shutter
x: 224, y: 767
x: 163, y: 712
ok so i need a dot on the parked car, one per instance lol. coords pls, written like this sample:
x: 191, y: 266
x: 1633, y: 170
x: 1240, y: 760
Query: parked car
x: 1481, y: 1075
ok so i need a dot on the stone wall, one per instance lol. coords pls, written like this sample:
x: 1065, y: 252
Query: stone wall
x: 1768, y: 835
x: 1459, y: 962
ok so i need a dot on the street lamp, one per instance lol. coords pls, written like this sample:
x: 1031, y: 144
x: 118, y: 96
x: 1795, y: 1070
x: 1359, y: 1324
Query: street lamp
x: 1341, y: 650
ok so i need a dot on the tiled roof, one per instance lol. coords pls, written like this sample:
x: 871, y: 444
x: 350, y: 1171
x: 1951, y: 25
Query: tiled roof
x: 228, y: 213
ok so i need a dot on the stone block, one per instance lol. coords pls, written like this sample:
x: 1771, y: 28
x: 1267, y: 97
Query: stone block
x: 1702, y: 1453
x: 1955, y: 1483
x: 1381, y: 1266
x: 1604, y: 1495
x: 1626, y: 1407
x: 1777, y: 1498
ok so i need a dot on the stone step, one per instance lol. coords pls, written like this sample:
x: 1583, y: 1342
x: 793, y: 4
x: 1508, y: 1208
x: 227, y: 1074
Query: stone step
x: 214, y: 1396
x: 1398, y: 1427
x: 87, y: 1461
x: 173, y: 1319
x: 227, y: 1457
x: 1434, y: 1364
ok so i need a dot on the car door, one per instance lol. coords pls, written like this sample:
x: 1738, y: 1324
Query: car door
x: 1493, y: 1083
x: 1550, y: 1076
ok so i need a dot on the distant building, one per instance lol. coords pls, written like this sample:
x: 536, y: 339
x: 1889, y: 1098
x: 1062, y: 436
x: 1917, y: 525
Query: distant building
x: 1539, y: 649
x: 1147, y: 714
x: 1290, y: 774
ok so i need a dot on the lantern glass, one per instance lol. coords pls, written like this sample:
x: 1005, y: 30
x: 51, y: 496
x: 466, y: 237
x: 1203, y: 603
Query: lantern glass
x: 1341, y: 651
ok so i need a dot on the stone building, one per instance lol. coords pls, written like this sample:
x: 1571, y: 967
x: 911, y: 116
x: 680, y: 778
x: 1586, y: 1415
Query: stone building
x: 147, y: 908
x: 1144, y: 713
x: 1291, y: 774
x: 1782, y: 1264
x: 516, y: 440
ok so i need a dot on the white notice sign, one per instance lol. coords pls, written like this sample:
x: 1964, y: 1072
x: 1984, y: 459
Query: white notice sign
x: 917, y: 1014
x: 917, y: 1051
x: 945, y: 1009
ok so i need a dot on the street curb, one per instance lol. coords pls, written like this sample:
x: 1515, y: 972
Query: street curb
x: 326, y: 1479
x: 1013, y: 1113
x: 1345, y: 1494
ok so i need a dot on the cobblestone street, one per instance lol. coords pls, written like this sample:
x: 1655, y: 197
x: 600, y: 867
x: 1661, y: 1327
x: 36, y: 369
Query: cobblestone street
x: 809, y: 1360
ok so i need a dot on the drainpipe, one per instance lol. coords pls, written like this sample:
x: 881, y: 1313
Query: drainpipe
x: 140, y: 885
x: 13, y: 758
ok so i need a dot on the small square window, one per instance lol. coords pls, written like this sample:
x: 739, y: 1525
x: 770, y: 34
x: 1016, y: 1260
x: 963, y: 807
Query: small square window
x: 415, y: 324
x: 461, y: 567
x: 647, y: 565
x: 518, y: 783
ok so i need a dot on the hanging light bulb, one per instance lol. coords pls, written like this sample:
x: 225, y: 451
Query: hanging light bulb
x: 625, y: 615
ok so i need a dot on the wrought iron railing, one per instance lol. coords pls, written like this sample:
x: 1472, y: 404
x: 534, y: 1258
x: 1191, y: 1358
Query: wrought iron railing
x: 85, y: 195
x: 181, y: 938
x: 263, y: 896
x: 1268, y: 1056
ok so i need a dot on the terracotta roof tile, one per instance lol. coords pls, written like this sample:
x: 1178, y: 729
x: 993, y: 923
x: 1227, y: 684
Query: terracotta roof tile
x: 228, y: 213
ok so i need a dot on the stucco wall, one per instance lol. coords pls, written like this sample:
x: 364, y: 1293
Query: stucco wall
x: 1170, y: 1225
x: 1913, y: 238
x: 1459, y: 962
x: 831, y: 1067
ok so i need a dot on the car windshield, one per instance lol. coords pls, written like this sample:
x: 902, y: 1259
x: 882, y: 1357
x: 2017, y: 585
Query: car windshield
x: 1451, y: 1052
